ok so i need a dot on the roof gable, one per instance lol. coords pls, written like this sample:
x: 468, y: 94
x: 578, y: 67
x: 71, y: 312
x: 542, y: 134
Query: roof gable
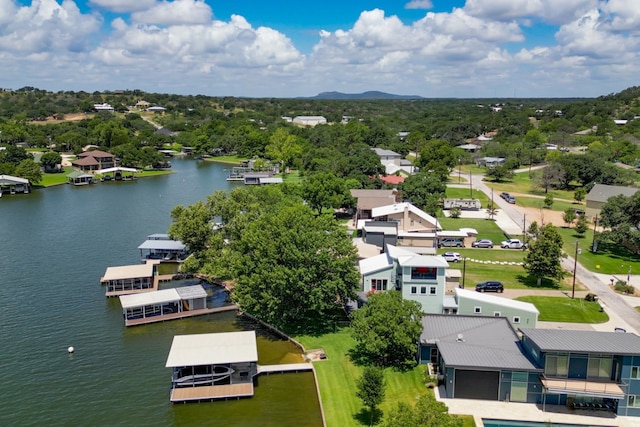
x: 492, y: 299
x: 401, y: 207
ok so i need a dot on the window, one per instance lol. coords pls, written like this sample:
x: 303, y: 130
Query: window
x: 496, y: 314
x: 477, y: 310
x: 424, y: 273
x: 556, y: 365
x: 414, y: 290
x: 635, y: 372
x: 378, y: 284
x: 423, y: 290
x: 599, y: 367
x: 519, y: 383
x: 633, y: 401
x: 516, y: 319
x: 433, y: 290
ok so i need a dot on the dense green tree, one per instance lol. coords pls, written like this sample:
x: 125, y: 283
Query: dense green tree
x: 50, y: 160
x: 427, y: 412
x: 283, y: 147
x: 548, y: 201
x: 293, y: 267
x: 30, y: 170
x: 620, y: 217
x: 192, y: 225
x: 386, y: 330
x: 579, y: 194
x: 370, y: 389
x: 499, y: 173
x: 325, y: 190
x: 545, y: 255
x: 438, y: 157
x: 424, y: 190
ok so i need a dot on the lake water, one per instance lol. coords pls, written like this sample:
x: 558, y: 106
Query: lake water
x: 56, y: 244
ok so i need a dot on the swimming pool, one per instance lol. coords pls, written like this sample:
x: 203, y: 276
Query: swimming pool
x: 512, y: 423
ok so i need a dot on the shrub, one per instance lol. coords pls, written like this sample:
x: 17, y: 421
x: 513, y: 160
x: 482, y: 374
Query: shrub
x: 622, y: 287
x: 455, y: 212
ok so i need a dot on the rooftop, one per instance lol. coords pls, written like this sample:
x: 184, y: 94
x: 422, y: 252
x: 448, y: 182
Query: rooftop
x: 128, y: 272
x: 212, y: 349
x: 492, y: 299
x: 584, y: 341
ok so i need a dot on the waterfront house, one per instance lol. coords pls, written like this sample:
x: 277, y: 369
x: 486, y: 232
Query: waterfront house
x: 118, y: 173
x: 420, y: 278
x: 128, y: 279
x: 94, y: 160
x: 212, y: 366
x: 13, y: 184
x: 587, y: 369
x: 478, y: 358
x: 166, y: 304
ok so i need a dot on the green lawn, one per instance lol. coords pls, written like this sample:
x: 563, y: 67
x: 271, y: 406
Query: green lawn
x: 49, y: 179
x: 565, y: 309
x: 465, y: 193
x: 521, y: 183
x: 610, y: 258
x: 337, y: 378
x: 292, y: 177
x: 234, y: 160
x: 486, y: 229
x: 558, y: 205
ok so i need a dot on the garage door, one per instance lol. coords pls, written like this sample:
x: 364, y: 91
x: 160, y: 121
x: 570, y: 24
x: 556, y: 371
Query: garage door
x: 476, y: 385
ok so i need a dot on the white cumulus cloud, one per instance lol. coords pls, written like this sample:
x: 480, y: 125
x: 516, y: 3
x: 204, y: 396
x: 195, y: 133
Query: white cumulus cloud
x: 419, y: 4
x: 123, y: 6
x: 178, y: 12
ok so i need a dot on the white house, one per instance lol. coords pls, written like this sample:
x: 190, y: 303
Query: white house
x: 309, y: 120
x: 393, y: 162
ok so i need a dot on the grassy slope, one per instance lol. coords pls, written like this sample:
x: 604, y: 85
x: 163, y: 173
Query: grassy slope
x: 337, y: 378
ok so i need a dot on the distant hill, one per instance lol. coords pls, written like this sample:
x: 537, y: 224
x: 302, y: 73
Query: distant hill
x: 373, y: 94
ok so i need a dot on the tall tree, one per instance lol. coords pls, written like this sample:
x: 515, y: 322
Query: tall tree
x: 569, y: 216
x: 545, y: 255
x: 371, y: 389
x: 324, y: 190
x: 30, y: 170
x: 424, y: 190
x: 386, y: 330
x: 620, y: 217
x: 283, y: 147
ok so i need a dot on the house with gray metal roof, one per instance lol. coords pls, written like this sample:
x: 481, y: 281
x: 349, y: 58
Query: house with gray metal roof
x: 479, y: 358
x: 601, y: 193
x: 591, y: 370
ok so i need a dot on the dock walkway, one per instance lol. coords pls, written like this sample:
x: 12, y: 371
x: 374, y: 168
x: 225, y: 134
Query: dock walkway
x: 180, y: 315
x: 186, y: 394
x: 285, y: 367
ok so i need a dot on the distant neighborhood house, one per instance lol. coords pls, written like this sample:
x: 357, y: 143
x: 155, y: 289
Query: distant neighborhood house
x: 600, y: 193
x: 393, y: 162
x: 309, y: 120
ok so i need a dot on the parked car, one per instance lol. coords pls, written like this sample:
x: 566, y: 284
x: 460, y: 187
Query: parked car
x: 490, y: 286
x: 451, y: 242
x: 511, y: 200
x: 452, y: 256
x: 504, y: 195
x: 513, y: 244
x: 482, y: 243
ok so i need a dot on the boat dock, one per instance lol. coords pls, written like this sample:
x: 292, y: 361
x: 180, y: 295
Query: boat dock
x: 180, y: 315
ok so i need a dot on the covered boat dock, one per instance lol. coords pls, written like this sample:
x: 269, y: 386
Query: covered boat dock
x: 118, y: 173
x: 129, y: 279
x: 162, y: 249
x: 212, y: 366
x: 13, y: 184
x: 80, y: 178
x: 166, y: 304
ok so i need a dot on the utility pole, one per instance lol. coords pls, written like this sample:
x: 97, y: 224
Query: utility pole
x: 594, y: 246
x: 464, y: 270
x: 524, y: 228
x: 575, y: 265
x: 470, y: 185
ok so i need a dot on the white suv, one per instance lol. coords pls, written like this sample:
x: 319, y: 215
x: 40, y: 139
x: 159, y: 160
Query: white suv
x: 451, y: 256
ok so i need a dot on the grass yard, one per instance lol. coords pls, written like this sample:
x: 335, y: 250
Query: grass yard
x: 610, y: 258
x: 292, y: 177
x: 232, y: 160
x: 522, y: 183
x: 565, y: 309
x: 50, y: 179
x: 558, y: 205
x: 337, y: 378
x: 465, y: 193
x: 486, y: 229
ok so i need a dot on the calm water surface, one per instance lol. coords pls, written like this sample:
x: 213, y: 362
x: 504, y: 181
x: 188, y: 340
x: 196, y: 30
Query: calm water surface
x: 56, y: 244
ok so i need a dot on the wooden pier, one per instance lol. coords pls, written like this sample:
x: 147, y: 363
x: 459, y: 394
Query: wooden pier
x: 191, y: 394
x: 180, y: 315
x: 285, y: 367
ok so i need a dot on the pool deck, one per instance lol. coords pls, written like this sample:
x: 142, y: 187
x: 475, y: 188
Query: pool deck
x: 531, y: 412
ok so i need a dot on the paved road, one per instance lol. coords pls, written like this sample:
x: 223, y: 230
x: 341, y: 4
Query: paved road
x: 611, y: 301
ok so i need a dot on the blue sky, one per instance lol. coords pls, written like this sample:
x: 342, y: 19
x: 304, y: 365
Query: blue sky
x: 432, y: 48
